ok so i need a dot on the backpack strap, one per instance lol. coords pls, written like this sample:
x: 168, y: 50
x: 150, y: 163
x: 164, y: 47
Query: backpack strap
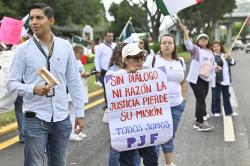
x: 153, y: 62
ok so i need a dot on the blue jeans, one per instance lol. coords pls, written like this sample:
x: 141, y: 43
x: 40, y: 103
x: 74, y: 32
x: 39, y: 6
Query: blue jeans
x: 19, y: 116
x: 148, y: 154
x: 41, y: 135
x: 176, y: 112
x: 115, y: 155
x: 216, y: 99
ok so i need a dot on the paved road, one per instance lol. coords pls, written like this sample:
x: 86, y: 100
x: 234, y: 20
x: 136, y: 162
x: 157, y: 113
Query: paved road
x: 193, y: 148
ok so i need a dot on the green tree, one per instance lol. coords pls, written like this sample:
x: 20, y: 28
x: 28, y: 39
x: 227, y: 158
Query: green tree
x: 68, y: 13
x: 154, y: 17
x: 121, y: 13
x: 202, y: 17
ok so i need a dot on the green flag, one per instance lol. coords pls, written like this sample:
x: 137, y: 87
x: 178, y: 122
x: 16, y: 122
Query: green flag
x: 127, y: 32
x: 78, y: 40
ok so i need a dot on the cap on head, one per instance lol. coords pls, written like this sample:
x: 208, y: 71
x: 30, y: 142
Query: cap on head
x: 202, y: 35
x: 130, y: 49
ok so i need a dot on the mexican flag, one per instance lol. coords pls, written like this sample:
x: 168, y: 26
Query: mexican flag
x: 126, y: 35
x: 26, y: 26
x: 170, y: 7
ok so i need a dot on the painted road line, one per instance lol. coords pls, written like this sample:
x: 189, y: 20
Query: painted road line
x: 8, y: 142
x: 233, y: 98
x: 13, y: 126
x: 229, y: 135
x: 14, y: 140
x: 9, y: 128
x: 93, y: 104
x: 96, y: 93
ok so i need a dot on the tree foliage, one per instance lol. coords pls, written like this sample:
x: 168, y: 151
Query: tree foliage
x: 67, y: 12
x: 202, y: 17
x: 121, y: 13
x: 153, y: 19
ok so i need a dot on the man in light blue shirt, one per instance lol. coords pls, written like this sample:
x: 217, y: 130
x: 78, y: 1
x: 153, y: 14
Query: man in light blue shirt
x: 46, y: 116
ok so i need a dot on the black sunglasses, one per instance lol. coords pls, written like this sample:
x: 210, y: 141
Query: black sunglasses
x: 138, y: 57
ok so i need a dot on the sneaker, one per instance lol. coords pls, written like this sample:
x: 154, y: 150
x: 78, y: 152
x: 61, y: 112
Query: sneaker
x: 217, y: 115
x: 206, y: 117
x: 196, y: 125
x: 75, y: 138
x: 234, y: 114
x: 98, y: 83
x: 204, y: 127
x: 172, y: 164
x: 82, y: 135
x: 105, y: 117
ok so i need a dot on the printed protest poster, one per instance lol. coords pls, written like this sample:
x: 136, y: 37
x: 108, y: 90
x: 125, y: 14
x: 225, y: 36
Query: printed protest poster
x: 139, y: 111
x: 10, y: 30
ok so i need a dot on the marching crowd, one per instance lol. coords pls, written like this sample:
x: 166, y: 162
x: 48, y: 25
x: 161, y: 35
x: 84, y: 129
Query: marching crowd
x: 53, y: 115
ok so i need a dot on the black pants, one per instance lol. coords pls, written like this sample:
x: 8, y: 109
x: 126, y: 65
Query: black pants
x: 148, y: 154
x: 200, y: 90
x: 103, y: 72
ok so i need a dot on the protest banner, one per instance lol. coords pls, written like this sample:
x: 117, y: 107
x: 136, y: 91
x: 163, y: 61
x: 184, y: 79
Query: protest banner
x: 10, y: 30
x: 139, y: 111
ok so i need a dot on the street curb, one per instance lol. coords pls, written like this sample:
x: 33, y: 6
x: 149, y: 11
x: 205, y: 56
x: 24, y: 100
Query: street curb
x: 13, y: 126
x: 8, y: 128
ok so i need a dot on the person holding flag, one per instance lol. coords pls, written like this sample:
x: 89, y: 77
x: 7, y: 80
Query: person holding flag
x: 201, y: 74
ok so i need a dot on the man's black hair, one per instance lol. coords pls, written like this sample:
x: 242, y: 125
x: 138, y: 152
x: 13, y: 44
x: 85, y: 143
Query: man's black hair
x: 48, y: 11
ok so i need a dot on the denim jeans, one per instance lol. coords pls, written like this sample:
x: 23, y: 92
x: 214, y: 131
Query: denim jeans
x: 216, y: 99
x: 148, y: 154
x: 176, y: 112
x: 19, y: 116
x: 41, y: 135
x: 115, y: 155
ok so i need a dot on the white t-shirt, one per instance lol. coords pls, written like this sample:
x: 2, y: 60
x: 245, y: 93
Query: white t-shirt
x: 175, y: 75
x: 84, y: 82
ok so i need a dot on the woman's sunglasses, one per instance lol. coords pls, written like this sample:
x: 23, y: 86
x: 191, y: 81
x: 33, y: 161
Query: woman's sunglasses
x: 138, y: 57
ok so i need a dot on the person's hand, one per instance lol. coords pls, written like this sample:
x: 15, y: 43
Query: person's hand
x: 98, y: 74
x: 79, y: 125
x: 85, y: 75
x: 183, y: 28
x: 228, y: 56
x: 218, y: 68
x: 41, y: 90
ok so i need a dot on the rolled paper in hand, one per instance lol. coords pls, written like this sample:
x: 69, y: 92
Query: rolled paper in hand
x: 47, y: 77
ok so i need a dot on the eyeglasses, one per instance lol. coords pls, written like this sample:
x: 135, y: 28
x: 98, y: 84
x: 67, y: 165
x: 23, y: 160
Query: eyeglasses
x: 138, y: 57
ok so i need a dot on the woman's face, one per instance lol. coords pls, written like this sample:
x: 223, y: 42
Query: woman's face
x: 203, y: 42
x: 217, y: 48
x: 141, y: 44
x: 135, y: 62
x: 167, y: 45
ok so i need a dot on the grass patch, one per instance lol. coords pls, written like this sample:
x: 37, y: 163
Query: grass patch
x: 7, y: 117
x: 185, y: 55
x: 91, y: 80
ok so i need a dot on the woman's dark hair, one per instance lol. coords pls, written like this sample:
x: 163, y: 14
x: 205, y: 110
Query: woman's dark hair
x: 116, y: 58
x: 48, y: 11
x: 174, y: 53
x: 222, y: 49
x: 146, y: 45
